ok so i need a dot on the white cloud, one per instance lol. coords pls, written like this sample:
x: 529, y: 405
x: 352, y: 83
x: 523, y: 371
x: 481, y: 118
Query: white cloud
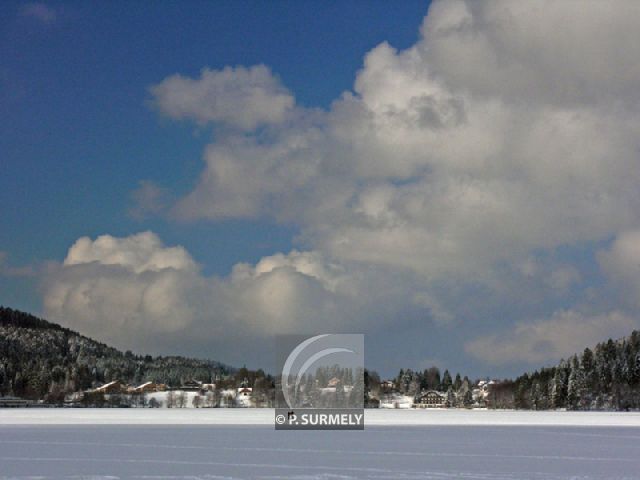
x: 424, y: 167
x: 128, y: 291
x: 565, y: 333
x: 562, y: 53
x: 137, y: 293
x: 623, y: 257
x: 239, y: 97
x: 139, y: 253
x: 621, y: 263
x: 510, y: 130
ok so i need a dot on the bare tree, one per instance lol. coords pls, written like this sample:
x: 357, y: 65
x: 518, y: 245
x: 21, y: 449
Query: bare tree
x: 211, y: 399
x: 171, y: 399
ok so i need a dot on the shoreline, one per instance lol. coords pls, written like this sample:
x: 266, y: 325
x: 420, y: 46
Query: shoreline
x: 265, y: 416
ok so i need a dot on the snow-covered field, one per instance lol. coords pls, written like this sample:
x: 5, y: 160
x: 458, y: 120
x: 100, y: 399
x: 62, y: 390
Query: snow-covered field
x: 242, y: 443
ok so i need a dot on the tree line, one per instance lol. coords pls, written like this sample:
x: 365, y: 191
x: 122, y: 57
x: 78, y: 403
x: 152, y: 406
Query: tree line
x: 605, y: 378
x: 43, y: 360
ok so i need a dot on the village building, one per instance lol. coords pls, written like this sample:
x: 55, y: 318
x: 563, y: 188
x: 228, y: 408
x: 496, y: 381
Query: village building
x: 148, y: 387
x: 243, y: 397
x: 386, y: 386
x: 191, y: 386
x: 431, y: 399
x: 14, y: 402
x: 244, y: 392
x: 111, y: 388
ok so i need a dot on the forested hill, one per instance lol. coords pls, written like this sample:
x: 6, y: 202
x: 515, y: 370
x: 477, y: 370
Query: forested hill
x: 43, y: 360
x: 607, y: 377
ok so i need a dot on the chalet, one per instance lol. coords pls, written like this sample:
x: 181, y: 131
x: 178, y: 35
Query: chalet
x: 431, y: 399
x: 244, y: 392
x: 148, y: 387
x: 191, y: 386
x: 243, y: 397
x: 386, y: 386
x: 112, y: 387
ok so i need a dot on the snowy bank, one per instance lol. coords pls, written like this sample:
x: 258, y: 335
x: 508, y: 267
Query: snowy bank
x: 265, y: 416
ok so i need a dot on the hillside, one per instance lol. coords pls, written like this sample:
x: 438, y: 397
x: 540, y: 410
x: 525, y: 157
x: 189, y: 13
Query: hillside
x: 43, y: 360
x: 605, y: 378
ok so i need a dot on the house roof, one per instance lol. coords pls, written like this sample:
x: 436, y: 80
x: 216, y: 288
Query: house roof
x: 146, y: 384
x: 429, y: 392
x: 106, y: 385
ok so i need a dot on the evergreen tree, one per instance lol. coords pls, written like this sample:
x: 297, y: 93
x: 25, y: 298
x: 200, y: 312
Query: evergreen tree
x: 457, y: 382
x: 446, y: 381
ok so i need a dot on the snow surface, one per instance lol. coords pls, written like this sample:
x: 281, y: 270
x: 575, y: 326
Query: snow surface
x: 265, y: 416
x: 426, y: 452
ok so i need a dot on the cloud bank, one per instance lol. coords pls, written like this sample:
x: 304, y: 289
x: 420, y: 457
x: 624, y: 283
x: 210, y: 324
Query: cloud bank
x: 508, y: 132
x: 140, y: 294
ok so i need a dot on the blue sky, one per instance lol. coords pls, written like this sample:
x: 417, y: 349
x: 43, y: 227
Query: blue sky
x: 82, y: 134
x: 459, y: 186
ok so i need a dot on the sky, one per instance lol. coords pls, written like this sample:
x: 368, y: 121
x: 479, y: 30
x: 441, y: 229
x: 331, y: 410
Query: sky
x: 457, y: 180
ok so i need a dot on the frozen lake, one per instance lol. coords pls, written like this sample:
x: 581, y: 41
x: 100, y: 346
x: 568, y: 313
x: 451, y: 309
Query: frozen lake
x: 500, y: 445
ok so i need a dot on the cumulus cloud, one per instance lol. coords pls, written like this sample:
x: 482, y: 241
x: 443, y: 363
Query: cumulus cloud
x: 509, y: 131
x: 621, y: 263
x: 572, y: 52
x: 139, y: 253
x: 426, y: 167
x: 118, y: 289
x: 240, y: 97
x: 137, y: 293
x: 565, y: 333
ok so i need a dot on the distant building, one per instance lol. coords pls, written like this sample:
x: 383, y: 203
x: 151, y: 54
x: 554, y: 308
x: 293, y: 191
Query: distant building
x: 243, y: 397
x: 14, y: 402
x: 149, y: 387
x: 386, y: 386
x: 244, y: 392
x: 111, y: 388
x: 191, y: 386
x: 431, y: 399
